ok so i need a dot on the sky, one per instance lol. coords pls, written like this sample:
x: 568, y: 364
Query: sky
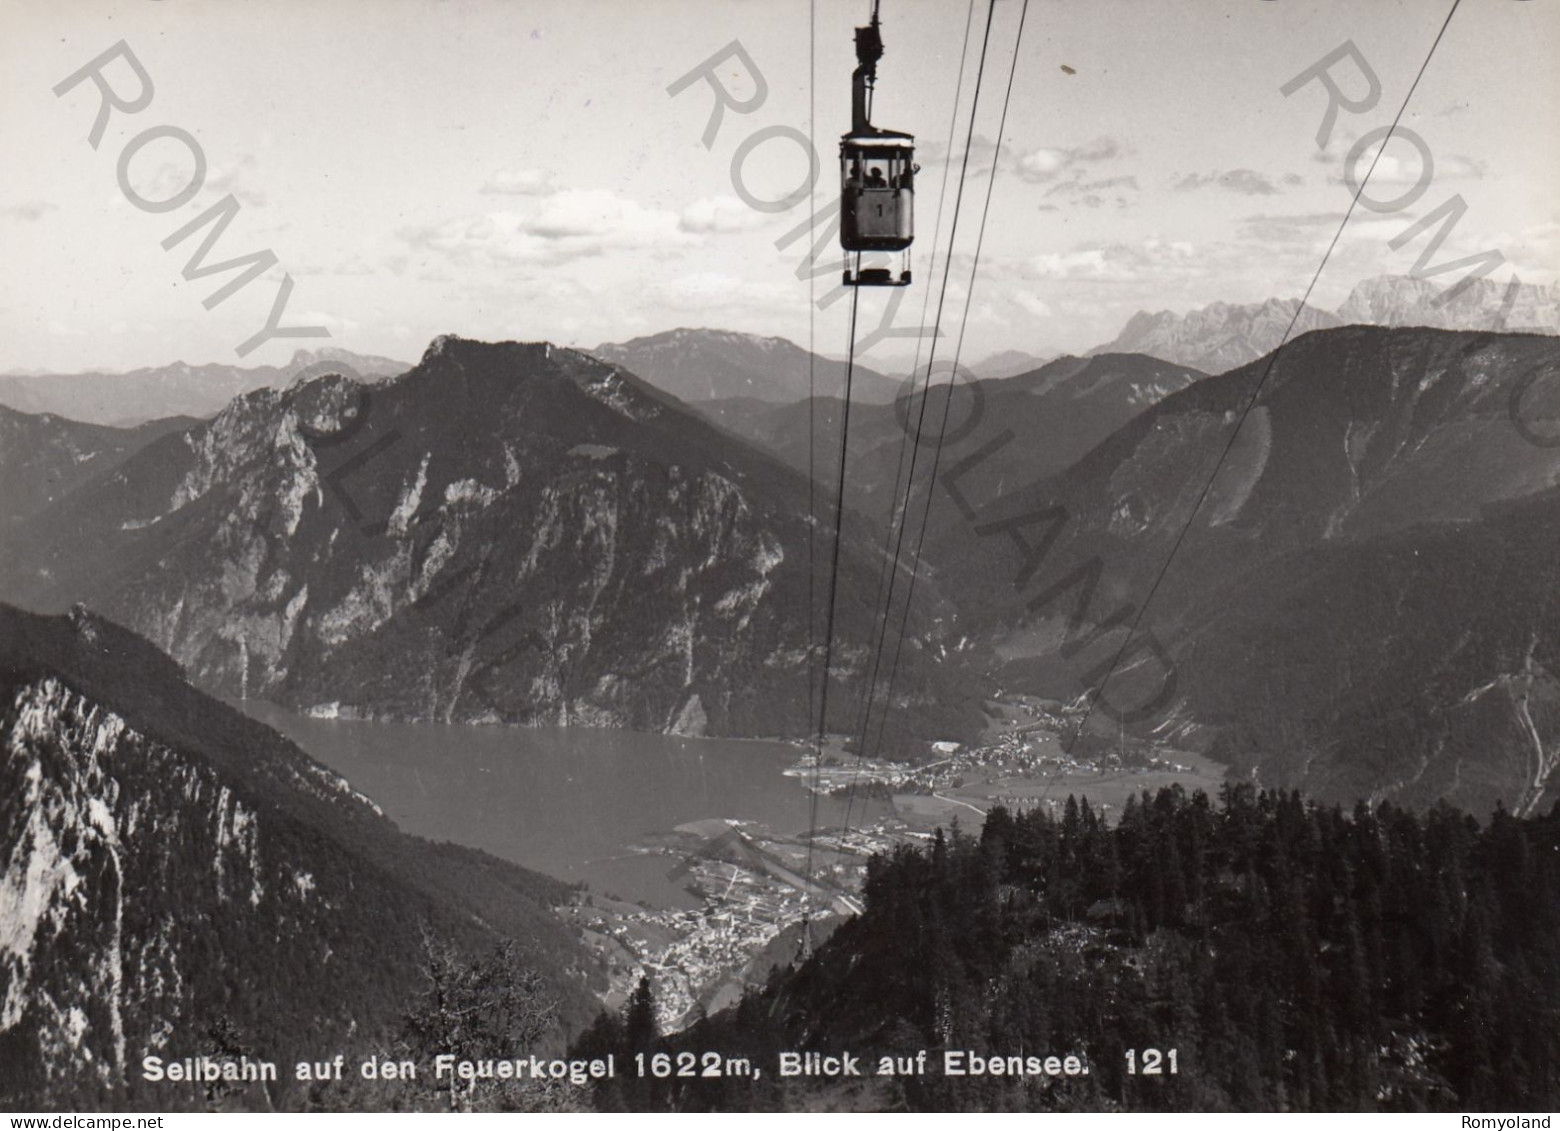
x: 520, y: 169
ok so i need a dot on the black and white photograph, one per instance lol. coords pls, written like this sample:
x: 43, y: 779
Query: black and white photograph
x: 726, y: 556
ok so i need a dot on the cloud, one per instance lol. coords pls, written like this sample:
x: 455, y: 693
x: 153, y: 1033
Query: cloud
x: 1079, y: 185
x: 1388, y: 169
x: 1537, y: 246
x: 1067, y: 172
x: 1040, y: 166
x: 1401, y: 164
x: 1459, y: 167
x: 29, y: 210
x: 1247, y: 182
x: 521, y: 182
x: 1100, y: 149
x: 720, y: 215
x: 704, y: 290
x: 1154, y: 258
x: 340, y: 326
x: 1112, y: 182
x: 1037, y: 166
x: 981, y: 149
x: 587, y: 213
x: 567, y: 225
x: 1031, y: 303
x: 165, y: 182
x: 1089, y: 194
x: 1089, y: 263
x: 228, y: 178
x: 348, y: 264
x: 170, y: 178
x: 1293, y: 227
x: 1405, y: 168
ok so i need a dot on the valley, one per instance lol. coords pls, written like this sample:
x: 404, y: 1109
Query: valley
x: 705, y: 557
x: 581, y: 642
x: 689, y: 856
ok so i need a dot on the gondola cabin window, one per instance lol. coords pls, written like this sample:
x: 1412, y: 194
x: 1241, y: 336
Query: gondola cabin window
x: 877, y: 194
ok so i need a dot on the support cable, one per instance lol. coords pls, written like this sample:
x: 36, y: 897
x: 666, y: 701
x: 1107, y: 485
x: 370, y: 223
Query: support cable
x: 834, y: 578
x: 941, y: 300
x: 895, y: 512
x: 1099, y: 692
x: 942, y: 427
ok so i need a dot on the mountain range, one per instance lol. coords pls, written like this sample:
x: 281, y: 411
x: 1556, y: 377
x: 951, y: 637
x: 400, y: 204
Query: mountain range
x: 1010, y: 363
x: 597, y: 553
x: 1360, y: 441
x: 1395, y: 300
x: 45, y: 457
x: 1344, y: 555
x: 141, y: 395
x: 1217, y: 338
x: 1031, y: 424
x: 705, y: 365
x: 1222, y: 336
x: 508, y: 532
x: 728, y: 374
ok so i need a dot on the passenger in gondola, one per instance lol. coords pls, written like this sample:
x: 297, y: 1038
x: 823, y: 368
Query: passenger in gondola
x: 875, y: 178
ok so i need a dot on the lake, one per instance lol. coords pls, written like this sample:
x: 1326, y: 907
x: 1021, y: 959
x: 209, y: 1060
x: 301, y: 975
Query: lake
x: 572, y: 802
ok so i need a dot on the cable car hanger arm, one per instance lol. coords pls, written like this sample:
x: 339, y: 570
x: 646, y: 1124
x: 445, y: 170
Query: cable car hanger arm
x: 877, y: 175
x: 869, y: 49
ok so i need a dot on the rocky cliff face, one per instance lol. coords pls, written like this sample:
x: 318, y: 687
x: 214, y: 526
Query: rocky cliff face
x: 95, y: 814
x: 510, y: 532
x: 1217, y: 338
x: 1392, y: 300
x: 168, y: 866
x: 1223, y: 336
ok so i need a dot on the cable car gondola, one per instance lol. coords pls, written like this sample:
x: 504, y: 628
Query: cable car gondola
x: 877, y: 175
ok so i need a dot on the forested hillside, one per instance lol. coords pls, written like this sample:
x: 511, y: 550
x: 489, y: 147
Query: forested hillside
x: 1295, y: 958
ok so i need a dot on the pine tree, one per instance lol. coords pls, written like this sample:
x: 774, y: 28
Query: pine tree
x: 640, y: 1025
x: 491, y: 1008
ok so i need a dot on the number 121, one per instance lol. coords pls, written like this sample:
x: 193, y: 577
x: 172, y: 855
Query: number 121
x: 1153, y: 1062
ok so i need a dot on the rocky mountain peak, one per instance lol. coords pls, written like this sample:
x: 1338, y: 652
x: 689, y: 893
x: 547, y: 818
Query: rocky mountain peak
x: 1217, y: 337
x: 1484, y: 304
x: 515, y: 531
x: 1223, y: 335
